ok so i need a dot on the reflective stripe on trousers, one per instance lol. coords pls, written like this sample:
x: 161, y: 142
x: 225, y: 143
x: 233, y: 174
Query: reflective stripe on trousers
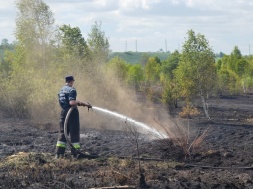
x: 61, y: 144
x: 76, y: 145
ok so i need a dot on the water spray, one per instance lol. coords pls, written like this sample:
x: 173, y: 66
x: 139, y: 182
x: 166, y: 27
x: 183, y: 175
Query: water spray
x: 131, y: 122
x: 115, y: 114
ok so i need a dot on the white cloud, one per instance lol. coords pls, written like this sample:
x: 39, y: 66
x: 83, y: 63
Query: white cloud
x: 129, y: 5
x: 6, y: 5
x: 175, y: 2
x: 225, y: 5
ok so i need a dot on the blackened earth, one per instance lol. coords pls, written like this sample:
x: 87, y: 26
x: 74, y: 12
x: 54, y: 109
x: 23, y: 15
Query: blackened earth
x: 222, y: 160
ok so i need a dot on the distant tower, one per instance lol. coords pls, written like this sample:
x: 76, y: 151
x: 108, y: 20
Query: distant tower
x: 126, y: 46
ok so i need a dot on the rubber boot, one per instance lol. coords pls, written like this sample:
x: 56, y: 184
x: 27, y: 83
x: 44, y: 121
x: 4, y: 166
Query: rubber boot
x: 74, y: 153
x: 59, y: 152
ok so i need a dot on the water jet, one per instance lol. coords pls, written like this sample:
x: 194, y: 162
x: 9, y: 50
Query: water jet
x: 132, y: 122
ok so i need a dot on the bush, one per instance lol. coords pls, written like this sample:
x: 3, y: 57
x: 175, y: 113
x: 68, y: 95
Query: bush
x: 188, y: 111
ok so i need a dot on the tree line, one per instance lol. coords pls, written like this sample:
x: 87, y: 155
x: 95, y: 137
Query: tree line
x: 191, y: 74
x: 44, y: 52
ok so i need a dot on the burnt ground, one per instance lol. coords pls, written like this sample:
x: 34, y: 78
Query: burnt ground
x: 222, y: 160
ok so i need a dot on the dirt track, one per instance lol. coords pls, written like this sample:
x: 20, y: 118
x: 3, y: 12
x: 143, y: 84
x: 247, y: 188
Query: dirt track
x: 224, y: 160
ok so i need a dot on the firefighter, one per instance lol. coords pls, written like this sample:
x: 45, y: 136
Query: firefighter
x: 67, y: 99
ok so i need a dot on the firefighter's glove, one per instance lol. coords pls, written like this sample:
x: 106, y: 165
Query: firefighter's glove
x: 89, y: 106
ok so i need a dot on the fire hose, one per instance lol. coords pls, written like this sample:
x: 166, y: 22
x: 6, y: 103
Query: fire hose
x: 84, y: 155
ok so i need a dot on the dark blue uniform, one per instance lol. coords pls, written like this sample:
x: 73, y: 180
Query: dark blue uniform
x: 65, y: 95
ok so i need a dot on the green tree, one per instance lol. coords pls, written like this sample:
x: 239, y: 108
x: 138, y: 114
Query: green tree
x: 4, y: 44
x: 228, y: 81
x: 241, y: 66
x: 247, y: 76
x: 5, y: 49
x: 152, y: 70
x: 119, y: 68
x: 169, y: 65
x: 73, y: 50
x: 73, y: 41
x: 98, y: 43
x: 236, y: 67
x: 196, y: 73
x: 152, y: 78
x: 218, y: 65
x: 135, y: 76
x: 34, y: 29
x: 31, y: 63
x: 236, y: 52
x: 168, y: 79
x: 238, y: 63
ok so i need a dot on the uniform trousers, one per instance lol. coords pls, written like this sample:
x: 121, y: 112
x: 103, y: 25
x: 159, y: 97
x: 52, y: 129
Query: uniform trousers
x: 73, y: 130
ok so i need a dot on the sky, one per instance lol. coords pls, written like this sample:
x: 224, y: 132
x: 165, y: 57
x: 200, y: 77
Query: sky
x: 151, y: 25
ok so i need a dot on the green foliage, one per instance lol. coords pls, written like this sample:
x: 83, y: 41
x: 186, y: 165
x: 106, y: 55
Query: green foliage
x: 218, y: 64
x: 186, y: 84
x: 235, y: 73
x: 34, y: 23
x: 135, y: 76
x: 228, y: 81
x: 236, y: 53
x: 167, y: 78
x: 152, y: 78
x: 98, y: 43
x: 152, y: 70
x: 28, y: 68
x: 126, y: 73
x: 5, y: 45
x: 196, y: 75
x: 138, y: 57
x: 118, y: 68
x: 14, y: 99
x: 73, y: 41
x: 241, y: 67
x: 73, y: 54
x: 247, y: 75
x: 169, y: 65
x: 196, y: 71
x: 5, y: 65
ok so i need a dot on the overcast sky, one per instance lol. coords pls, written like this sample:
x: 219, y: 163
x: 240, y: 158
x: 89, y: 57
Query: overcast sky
x: 151, y: 25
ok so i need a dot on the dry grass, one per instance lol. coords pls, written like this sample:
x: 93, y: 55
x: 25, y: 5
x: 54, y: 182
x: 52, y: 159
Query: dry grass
x: 179, y: 134
x: 41, y: 169
x: 188, y: 111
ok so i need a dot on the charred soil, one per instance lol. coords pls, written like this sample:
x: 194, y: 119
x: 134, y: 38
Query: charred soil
x: 223, y: 160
